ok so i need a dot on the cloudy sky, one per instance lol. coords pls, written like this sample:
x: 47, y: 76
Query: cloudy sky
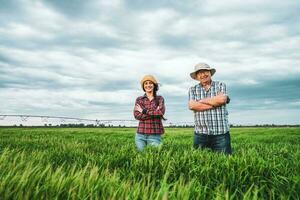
x: 85, y: 58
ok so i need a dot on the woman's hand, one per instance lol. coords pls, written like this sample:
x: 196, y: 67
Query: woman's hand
x: 138, y: 108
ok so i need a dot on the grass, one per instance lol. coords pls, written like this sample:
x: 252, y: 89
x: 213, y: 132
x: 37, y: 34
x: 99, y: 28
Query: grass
x: 56, y: 163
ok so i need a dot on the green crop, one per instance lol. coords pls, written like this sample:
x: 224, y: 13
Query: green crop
x: 102, y: 163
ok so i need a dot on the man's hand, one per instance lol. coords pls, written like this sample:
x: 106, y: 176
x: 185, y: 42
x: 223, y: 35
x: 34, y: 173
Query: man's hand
x: 215, y: 101
x: 221, y: 98
x: 192, y: 104
x: 198, y: 106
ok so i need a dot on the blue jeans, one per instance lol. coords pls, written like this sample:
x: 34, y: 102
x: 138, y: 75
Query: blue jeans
x: 218, y: 143
x: 142, y: 140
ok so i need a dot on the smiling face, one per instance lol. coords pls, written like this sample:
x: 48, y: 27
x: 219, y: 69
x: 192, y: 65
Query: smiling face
x: 204, y: 76
x: 148, y: 86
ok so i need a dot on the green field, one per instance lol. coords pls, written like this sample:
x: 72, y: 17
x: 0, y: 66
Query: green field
x: 102, y: 163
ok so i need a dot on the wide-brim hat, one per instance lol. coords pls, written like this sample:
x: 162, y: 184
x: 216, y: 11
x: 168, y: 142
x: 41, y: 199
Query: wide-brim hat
x: 202, y: 66
x: 148, y: 78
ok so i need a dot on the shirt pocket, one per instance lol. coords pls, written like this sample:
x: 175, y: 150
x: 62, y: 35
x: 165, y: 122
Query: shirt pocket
x: 198, y: 98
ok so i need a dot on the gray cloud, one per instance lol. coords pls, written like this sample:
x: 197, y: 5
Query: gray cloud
x: 71, y: 8
x: 173, y: 41
x: 86, y: 59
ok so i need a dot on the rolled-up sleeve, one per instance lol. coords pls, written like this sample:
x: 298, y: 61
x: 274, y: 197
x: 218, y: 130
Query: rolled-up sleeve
x: 223, y: 88
x: 192, y: 95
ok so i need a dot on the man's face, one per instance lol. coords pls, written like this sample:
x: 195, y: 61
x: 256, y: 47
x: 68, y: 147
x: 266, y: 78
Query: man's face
x: 204, y: 76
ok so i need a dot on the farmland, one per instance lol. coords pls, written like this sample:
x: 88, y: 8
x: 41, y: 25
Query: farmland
x: 102, y: 163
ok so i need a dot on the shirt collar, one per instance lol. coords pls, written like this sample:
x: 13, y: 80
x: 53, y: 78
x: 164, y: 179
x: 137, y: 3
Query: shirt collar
x: 211, y: 85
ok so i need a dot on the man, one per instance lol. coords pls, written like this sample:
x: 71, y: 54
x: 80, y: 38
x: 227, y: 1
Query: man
x: 208, y: 101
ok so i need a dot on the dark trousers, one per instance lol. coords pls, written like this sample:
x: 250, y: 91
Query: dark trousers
x: 218, y: 143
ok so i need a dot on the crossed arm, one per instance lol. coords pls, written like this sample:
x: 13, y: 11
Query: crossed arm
x: 208, y: 103
x: 141, y: 113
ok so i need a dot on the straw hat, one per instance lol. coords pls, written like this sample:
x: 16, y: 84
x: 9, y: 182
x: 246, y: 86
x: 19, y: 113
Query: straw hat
x: 148, y: 78
x: 202, y: 66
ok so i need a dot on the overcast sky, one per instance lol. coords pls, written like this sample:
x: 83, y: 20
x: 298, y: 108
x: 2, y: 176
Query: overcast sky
x: 86, y: 58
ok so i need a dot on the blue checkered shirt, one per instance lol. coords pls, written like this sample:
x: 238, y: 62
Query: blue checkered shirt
x: 215, y: 120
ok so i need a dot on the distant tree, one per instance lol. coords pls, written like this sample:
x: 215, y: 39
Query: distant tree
x: 102, y: 125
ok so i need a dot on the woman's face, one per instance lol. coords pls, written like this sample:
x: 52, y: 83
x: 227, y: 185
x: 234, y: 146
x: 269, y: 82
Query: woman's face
x: 148, y: 86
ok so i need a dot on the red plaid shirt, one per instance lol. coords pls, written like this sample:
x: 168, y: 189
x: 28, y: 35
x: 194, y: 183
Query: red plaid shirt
x: 150, y: 119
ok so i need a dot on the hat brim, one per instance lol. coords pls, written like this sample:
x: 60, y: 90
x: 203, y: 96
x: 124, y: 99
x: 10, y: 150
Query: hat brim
x: 193, y: 74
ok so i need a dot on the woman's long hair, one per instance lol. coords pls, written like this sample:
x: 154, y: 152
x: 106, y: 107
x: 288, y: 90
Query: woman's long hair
x: 155, y: 89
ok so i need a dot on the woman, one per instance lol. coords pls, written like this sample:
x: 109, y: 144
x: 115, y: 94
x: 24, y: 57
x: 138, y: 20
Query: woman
x: 149, y: 110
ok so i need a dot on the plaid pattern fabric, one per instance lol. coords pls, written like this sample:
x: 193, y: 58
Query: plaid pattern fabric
x: 150, y: 120
x: 213, y: 121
